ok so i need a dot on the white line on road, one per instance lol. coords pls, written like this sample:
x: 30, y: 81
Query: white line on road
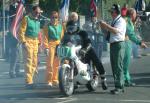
x: 101, y: 99
x: 67, y: 101
x: 141, y: 101
x: 121, y: 100
x: 62, y: 98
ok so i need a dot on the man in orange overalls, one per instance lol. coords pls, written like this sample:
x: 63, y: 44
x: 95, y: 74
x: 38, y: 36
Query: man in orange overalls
x: 53, y: 34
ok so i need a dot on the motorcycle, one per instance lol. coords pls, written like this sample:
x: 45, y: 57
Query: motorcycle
x: 74, y: 72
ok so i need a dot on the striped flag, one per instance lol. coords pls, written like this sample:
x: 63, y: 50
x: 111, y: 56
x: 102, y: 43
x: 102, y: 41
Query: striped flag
x: 17, y: 19
x: 93, y: 8
x: 64, y: 9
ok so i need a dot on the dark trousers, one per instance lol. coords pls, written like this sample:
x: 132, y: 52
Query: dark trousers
x: 14, y: 65
x: 91, y: 56
x: 116, y: 57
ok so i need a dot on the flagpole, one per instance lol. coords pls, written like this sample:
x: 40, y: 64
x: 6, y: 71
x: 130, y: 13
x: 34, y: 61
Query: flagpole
x: 3, y: 28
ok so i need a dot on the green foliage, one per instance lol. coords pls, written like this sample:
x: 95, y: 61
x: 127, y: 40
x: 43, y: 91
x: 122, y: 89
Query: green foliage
x: 49, y: 5
x: 80, y: 6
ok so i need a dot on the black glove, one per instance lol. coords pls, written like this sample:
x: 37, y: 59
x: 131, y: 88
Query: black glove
x: 82, y: 52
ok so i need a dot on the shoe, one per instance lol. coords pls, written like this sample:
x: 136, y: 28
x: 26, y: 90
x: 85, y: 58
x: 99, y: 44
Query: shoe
x: 117, y: 91
x: 129, y: 84
x: 30, y: 86
x: 55, y: 82
x: 104, y: 84
x: 50, y: 85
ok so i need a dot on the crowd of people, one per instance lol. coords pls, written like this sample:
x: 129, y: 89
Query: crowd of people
x: 119, y: 34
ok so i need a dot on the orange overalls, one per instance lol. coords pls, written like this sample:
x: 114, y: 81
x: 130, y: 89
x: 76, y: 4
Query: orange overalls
x: 53, y: 36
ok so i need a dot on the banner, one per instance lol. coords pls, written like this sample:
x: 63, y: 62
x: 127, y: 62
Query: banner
x: 64, y: 10
x: 17, y: 19
x: 93, y: 8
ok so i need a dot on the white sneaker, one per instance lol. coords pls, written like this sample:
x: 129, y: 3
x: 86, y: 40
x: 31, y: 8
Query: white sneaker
x: 50, y: 84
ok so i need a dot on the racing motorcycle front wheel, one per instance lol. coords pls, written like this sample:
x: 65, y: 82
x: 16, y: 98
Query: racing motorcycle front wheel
x: 66, y: 84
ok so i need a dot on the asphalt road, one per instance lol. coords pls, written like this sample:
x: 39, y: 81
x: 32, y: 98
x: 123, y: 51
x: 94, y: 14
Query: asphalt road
x: 13, y: 90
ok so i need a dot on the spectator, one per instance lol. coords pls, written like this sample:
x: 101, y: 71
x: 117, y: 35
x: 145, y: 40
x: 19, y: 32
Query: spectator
x: 116, y: 38
x: 14, y: 70
x: 98, y: 38
x: 73, y: 16
x: 135, y: 47
x: 130, y: 35
x: 124, y: 10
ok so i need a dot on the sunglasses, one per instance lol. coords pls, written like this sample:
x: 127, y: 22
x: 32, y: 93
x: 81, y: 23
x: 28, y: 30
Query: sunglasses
x: 54, y: 17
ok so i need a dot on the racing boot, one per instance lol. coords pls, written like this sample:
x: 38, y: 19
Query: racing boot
x: 104, y: 84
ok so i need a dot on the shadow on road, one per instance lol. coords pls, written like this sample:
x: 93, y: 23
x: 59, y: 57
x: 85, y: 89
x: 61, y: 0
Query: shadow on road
x: 24, y: 94
x: 141, y: 79
x: 18, y: 92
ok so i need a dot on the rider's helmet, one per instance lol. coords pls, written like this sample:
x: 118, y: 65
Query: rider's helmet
x: 72, y: 27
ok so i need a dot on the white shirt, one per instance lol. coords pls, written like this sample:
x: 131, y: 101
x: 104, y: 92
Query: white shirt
x: 120, y: 24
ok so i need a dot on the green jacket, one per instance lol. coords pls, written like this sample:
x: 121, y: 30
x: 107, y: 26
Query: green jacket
x: 33, y: 27
x: 131, y: 32
x: 54, y: 32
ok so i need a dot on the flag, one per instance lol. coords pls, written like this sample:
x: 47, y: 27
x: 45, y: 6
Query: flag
x: 140, y: 5
x: 93, y: 8
x: 17, y: 19
x: 64, y: 9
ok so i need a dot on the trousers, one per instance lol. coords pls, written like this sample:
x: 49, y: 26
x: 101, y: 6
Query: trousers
x: 127, y: 60
x: 116, y: 58
x: 30, y: 58
x: 52, y: 65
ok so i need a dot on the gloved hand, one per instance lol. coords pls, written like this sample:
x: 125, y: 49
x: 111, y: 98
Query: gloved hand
x: 82, y: 52
x: 47, y: 51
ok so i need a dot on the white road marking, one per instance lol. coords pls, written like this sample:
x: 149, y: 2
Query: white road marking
x: 62, y: 98
x: 143, y: 101
x: 100, y: 99
x: 122, y: 100
x: 134, y: 101
x: 69, y: 100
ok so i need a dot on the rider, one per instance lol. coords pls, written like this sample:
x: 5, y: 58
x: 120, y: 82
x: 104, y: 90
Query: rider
x: 87, y: 50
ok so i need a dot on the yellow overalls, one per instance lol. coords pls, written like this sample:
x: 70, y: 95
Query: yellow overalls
x: 53, y: 36
x: 28, y: 34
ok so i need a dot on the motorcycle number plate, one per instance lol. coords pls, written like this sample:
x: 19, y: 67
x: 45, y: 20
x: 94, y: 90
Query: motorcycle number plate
x: 64, y: 51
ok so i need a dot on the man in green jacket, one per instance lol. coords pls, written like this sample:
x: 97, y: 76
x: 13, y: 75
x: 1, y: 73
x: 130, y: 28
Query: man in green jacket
x: 130, y: 36
x: 28, y: 36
